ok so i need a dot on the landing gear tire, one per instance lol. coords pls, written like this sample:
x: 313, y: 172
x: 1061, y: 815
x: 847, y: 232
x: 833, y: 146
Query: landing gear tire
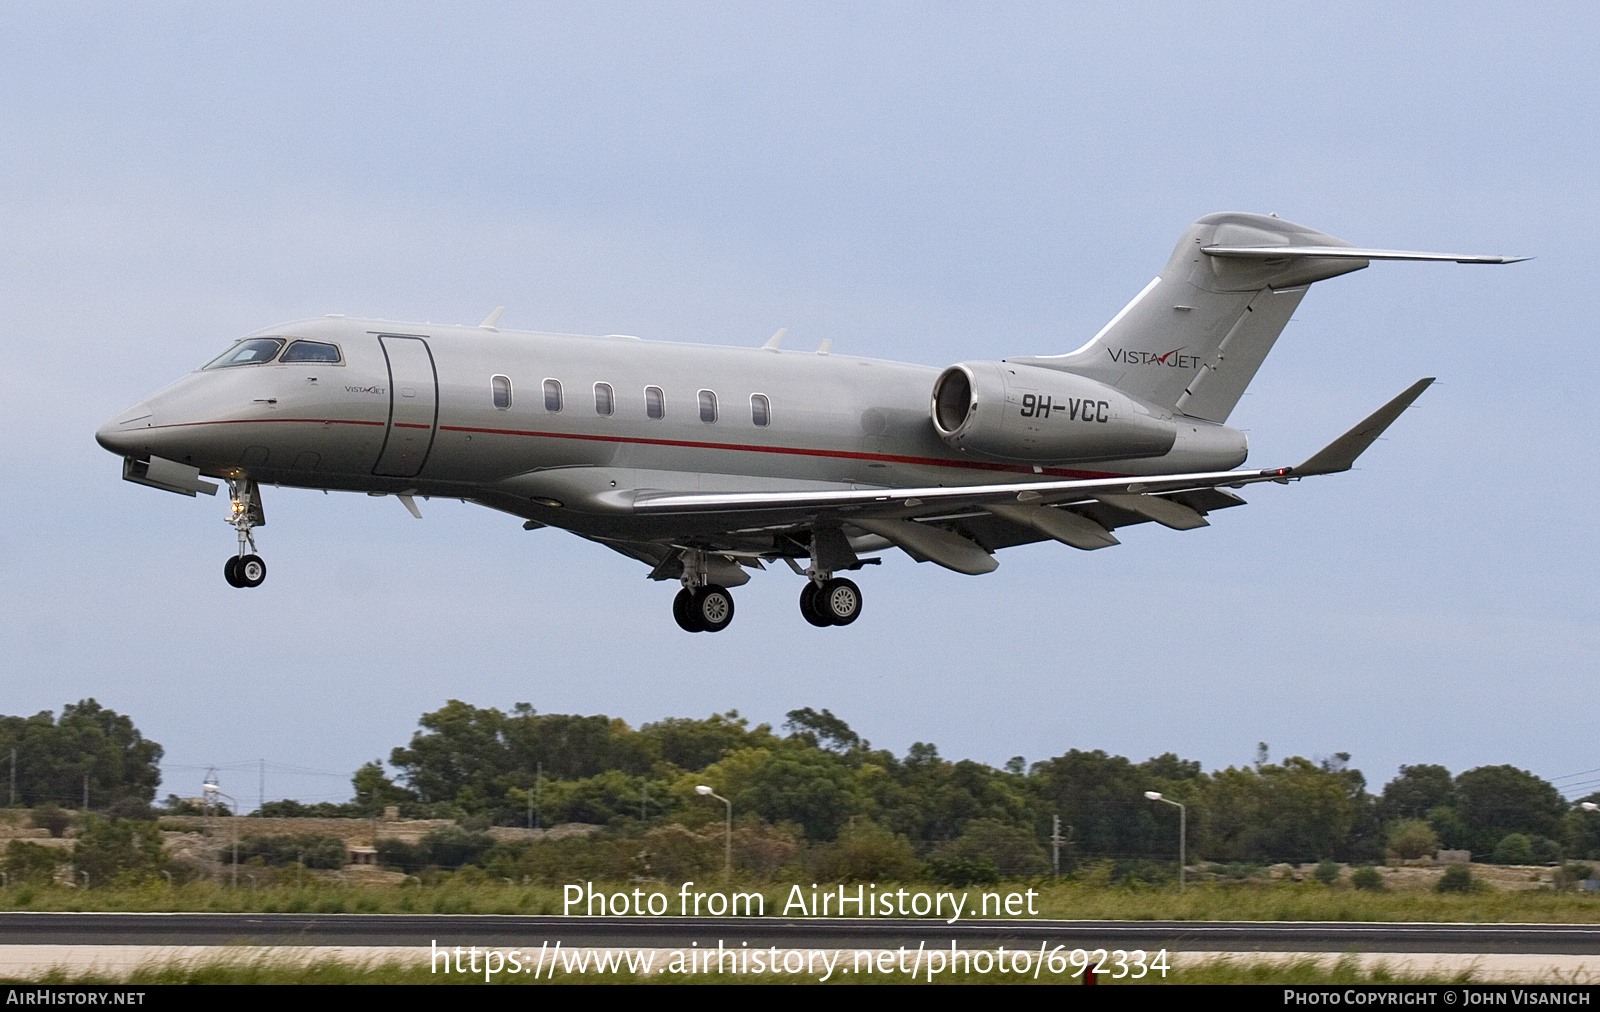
x: 808, y: 606
x: 683, y: 612
x: 250, y: 571
x: 838, y: 600
x: 712, y: 607
x: 230, y: 571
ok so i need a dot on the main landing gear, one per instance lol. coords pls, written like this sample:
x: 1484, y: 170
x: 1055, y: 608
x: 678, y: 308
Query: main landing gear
x: 701, y: 606
x: 834, y: 601
x: 706, y: 609
x: 246, y: 569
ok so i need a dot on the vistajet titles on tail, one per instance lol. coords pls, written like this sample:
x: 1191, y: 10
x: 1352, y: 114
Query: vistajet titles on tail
x: 704, y: 463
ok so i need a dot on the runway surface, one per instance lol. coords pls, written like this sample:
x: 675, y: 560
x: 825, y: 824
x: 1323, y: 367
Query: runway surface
x: 210, y: 929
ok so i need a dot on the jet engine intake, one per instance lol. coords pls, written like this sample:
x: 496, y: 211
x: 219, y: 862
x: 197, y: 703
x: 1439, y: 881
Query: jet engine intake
x: 1009, y: 412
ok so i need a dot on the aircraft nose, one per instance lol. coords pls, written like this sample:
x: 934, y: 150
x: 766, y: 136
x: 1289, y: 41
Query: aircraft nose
x: 121, y: 434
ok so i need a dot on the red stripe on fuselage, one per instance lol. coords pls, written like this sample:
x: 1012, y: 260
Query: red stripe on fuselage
x: 255, y: 421
x: 890, y: 458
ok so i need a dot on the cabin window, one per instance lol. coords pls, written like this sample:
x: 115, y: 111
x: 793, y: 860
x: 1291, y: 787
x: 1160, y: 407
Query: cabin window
x: 311, y: 351
x: 708, y: 406
x: 655, y: 402
x: 251, y: 352
x: 552, y: 395
x: 501, y: 386
x: 605, y: 401
x: 760, y: 409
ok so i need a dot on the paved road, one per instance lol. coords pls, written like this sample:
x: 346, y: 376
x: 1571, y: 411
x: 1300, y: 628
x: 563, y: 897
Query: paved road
x: 672, y: 932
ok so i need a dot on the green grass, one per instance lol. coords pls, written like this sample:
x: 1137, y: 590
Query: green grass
x: 1264, y: 901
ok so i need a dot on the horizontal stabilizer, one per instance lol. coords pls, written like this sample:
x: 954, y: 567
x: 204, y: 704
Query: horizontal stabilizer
x: 1341, y: 454
x: 1349, y: 253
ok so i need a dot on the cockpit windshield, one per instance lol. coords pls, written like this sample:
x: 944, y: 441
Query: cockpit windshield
x: 251, y: 352
x: 311, y: 351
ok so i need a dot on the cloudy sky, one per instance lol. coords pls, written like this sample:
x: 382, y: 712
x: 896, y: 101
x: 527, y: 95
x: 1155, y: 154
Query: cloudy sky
x: 923, y: 182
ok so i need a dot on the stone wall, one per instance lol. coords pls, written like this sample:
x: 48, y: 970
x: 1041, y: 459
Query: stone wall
x: 354, y: 832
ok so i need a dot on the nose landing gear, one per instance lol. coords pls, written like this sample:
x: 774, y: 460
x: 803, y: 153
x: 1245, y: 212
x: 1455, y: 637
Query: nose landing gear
x: 246, y: 569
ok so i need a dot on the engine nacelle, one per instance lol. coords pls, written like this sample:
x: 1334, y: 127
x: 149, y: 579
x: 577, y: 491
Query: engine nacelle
x: 1022, y: 413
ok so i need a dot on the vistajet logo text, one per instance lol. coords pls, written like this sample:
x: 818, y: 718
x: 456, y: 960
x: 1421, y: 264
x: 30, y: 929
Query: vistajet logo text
x: 1171, y: 359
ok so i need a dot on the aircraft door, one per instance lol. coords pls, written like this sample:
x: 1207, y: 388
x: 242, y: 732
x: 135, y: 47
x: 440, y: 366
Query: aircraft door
x: 413, y: 406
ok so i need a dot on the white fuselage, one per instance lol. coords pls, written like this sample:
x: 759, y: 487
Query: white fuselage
x: 465, y: 412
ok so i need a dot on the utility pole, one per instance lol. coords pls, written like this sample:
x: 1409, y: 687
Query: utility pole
x: 86, y: 792
x: 1055, y: 845
x: 644, y: 796
x: 538, y: 818
x: 13, y: 778
x: 261, y: 786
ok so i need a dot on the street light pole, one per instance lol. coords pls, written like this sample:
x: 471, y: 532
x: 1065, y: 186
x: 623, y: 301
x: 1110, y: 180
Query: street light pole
x: 211, y: 790
x: 1183, y: 832
x: 727, y: 850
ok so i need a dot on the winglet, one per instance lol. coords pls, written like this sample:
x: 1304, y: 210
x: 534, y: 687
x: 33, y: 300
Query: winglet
x: 775, y: 340
x: 492, y: 321
x: 1341, y: 454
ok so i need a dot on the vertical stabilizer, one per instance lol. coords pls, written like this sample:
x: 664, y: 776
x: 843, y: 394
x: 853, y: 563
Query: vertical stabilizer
x: 1193, y: 339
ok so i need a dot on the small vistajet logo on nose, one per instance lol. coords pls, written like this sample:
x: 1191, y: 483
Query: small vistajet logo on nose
x: 364, y: 390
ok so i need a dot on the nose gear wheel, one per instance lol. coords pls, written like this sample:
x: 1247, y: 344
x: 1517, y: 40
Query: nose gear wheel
x: 250, y: 571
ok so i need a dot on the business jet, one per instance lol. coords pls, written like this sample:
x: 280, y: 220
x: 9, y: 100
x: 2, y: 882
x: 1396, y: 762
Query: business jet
x: 704, y: 463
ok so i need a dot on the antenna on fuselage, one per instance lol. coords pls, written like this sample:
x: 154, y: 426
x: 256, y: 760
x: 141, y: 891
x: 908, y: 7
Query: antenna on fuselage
x: 826, y: 347
x: 775, y: 340
x: 492, y: 321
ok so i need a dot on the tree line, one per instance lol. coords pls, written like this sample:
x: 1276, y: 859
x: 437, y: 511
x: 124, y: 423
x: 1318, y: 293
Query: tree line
x: 490, y: 767
x: 819, y: 784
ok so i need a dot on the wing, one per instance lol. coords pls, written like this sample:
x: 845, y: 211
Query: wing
x: 960, y: 527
